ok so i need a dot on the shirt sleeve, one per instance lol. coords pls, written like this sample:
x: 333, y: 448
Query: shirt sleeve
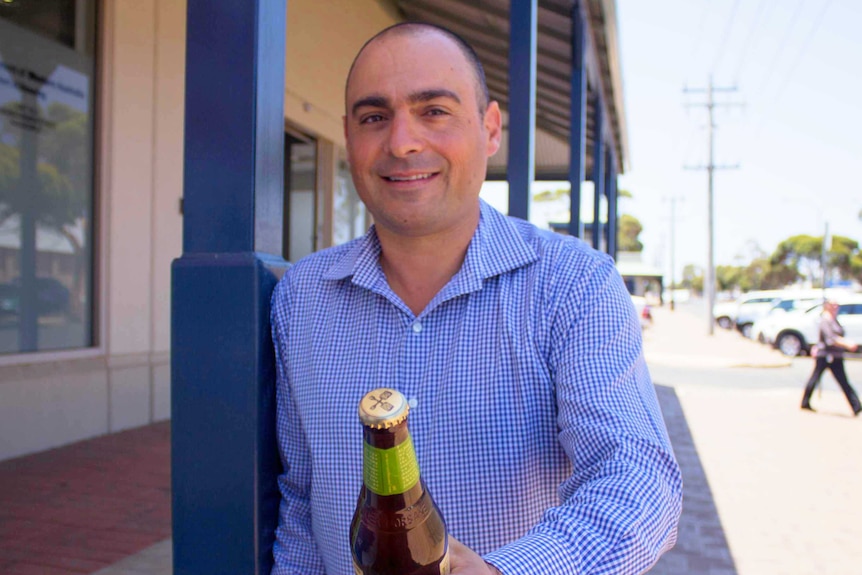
x: 295, y: 551
x: 621, y: 505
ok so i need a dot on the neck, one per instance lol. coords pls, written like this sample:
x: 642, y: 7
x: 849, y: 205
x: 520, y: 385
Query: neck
x: 417, y: 268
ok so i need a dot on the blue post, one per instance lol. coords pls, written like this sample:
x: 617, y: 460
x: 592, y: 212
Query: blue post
x: 611, y: 192
x: 224, y: 457
x: 578, y: 120
x: 523, y: 25
x: 598, y: 173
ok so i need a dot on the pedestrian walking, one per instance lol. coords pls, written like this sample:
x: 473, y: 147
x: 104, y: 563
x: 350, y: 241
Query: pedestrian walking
x: 829, y: 352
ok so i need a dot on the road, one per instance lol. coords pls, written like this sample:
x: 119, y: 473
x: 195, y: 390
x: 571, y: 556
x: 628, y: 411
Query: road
x: 793, y: 375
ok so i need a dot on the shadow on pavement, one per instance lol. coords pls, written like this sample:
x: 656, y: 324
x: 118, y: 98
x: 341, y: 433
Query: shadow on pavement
x: 701, y: 546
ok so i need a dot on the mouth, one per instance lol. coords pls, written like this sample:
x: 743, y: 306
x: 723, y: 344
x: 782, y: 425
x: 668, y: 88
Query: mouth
x: 409, y: 177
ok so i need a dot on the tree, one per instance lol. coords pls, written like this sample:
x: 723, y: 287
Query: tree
x: 845, y: 257
x: 61, y: 198
x: 629, y: 228
x: 800, y: 253
x: 692, y: 278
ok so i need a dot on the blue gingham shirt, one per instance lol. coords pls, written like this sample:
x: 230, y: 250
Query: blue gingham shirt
x: 535, y: 421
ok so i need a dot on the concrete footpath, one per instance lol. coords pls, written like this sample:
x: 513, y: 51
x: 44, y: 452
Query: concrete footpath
x: 769, y: 489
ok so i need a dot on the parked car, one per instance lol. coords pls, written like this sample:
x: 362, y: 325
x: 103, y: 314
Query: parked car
x: 52, y: 297
x: 798, y: 331
x: 728, y: 314
x: 793, y: 300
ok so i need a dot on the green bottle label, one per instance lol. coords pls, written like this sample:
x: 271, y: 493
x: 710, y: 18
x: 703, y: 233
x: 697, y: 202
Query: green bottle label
x: 390, y: 471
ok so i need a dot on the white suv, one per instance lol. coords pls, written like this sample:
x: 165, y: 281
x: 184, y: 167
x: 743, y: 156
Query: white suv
x: 728, y: 314
x: 798, y: 331
x: 763, y: 328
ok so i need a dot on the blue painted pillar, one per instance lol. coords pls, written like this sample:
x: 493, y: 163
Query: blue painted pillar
x: 578, y: 120
x: 224, y: 457
x: 611, y: 193
x: 523, y: 26
x: 598, y: 173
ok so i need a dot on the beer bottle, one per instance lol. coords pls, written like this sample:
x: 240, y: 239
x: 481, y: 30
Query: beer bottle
x: 397, y: 528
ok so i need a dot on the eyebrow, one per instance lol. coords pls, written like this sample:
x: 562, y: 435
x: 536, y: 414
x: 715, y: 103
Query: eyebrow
x: 377, y: 101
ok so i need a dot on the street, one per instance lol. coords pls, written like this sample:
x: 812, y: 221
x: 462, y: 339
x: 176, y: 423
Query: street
x: 683, y: 373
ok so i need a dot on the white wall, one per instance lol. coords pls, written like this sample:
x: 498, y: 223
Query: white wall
x: 51, y: 399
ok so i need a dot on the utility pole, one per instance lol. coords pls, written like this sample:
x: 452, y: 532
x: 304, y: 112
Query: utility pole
x: 823, y: 259
x: 709, y: 280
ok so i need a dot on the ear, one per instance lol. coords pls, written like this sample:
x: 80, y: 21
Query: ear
x: 494, y: 127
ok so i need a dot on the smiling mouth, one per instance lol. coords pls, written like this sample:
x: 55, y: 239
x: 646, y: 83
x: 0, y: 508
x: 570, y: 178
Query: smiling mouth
x: 417, y: 177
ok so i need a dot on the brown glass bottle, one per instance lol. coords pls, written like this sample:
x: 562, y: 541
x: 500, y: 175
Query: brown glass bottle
x: 397, y: 528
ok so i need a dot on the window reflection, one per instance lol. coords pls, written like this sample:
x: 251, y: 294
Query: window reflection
x: 46, y: 166
x: 300, y: 182
x: 349, y: 217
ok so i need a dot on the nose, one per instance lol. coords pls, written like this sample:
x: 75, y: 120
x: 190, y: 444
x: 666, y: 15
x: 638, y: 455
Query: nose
x: 404, y: 136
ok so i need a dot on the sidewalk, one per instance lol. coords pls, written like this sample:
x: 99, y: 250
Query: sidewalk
x: 84, y: 507
x: 769, y: 489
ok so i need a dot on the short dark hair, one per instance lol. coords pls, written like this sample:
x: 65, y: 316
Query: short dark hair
x: 406, y: 28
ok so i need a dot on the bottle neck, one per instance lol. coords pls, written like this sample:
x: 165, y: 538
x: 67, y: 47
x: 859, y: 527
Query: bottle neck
x: 390, y: 467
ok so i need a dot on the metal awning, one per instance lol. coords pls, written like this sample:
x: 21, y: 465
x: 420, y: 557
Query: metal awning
x: 485, y: 25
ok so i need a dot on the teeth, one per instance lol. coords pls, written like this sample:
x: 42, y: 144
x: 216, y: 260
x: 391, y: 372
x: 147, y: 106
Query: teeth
x: 409, y: 178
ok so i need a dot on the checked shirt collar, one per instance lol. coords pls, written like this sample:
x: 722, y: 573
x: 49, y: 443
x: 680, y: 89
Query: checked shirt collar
x: 497, y: 247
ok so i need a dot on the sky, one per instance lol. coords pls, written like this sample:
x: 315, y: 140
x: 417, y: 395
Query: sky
x: 790, y: 133
x: 788, y: 126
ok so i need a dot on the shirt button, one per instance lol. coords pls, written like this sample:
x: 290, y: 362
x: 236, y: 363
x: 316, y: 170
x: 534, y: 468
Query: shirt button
x: 417, y: 327
x: 412, y: 402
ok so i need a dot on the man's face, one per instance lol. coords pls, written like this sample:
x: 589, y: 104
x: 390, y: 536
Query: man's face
x: 417, y: 142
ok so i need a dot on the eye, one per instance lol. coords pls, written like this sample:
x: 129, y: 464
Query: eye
x: 436, y: 112
x: 371, y: 118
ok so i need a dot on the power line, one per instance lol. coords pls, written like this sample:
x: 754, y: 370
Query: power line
x: 817, y: 22
x: 698, y: 38
x: 747, y: 44
x: 771, y: 69
x: 727, y: 29
x: 789, y: 75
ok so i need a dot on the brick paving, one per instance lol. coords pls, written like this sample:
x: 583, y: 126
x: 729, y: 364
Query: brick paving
x: 701, y: 545
x: 83, y: 507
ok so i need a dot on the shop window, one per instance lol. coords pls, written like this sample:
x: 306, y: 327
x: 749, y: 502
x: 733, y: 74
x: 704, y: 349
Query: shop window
x: 300, y: 174
x: 47, y: 104
x: 349, y: 215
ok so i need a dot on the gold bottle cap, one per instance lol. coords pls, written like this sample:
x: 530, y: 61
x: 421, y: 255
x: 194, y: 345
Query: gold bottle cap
x: 383, y: 408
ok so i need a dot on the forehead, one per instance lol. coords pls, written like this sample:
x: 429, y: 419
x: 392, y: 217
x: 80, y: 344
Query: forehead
x: 402, y: 62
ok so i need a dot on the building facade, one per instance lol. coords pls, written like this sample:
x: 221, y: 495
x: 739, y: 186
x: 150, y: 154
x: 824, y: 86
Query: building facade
x: 91, y: 186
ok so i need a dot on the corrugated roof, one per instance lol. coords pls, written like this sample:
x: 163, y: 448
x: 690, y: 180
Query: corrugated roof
x: 485, y: 25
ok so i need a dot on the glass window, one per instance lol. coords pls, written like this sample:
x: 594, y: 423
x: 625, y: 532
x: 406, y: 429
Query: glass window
x: 349, y: 215
x: 300, y: 183
x: 47, y: 103
x: 850, y: 309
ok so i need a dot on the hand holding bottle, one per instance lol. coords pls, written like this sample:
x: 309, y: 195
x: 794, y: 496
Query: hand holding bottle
x: 465, y: 561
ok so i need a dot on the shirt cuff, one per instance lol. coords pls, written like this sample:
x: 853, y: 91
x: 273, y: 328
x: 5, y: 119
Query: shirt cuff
x: 542, y: 553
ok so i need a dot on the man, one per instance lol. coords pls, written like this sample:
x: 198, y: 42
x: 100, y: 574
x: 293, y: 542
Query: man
x: 829, y: 352
x: 534, y: 419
